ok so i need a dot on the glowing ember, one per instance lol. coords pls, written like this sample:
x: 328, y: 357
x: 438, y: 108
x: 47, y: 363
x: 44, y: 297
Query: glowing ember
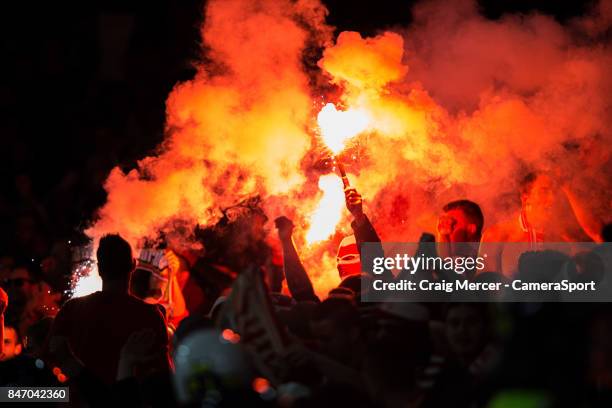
x: 328, y: 213
x: 261, y: 385
x: 230, y: 336
x: 337, y: 127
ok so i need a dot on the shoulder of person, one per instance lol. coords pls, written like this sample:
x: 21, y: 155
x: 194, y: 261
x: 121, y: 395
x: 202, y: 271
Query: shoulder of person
x: 75, y: 302
x: 151, y: 309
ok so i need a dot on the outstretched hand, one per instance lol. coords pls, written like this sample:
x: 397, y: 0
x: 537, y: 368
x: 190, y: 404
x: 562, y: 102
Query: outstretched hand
x: 174, y: 262
x: 284, y: 226
x: 354, y: 202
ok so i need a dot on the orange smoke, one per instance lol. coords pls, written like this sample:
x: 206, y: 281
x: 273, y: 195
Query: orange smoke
x: 364, y: 64
x: 457, y: 106
x: 237, y: 129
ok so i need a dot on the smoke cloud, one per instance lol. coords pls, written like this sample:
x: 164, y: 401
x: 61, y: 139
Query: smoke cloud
x: 461, y: 107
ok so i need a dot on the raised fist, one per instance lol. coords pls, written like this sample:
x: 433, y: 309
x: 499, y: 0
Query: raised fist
x: 354, y: 202
x: 284, y: 226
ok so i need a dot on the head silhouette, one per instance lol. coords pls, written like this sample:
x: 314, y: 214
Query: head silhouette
x: 115, y: 261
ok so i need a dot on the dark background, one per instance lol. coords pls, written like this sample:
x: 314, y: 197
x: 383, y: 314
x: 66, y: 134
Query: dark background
x: 74, y: 104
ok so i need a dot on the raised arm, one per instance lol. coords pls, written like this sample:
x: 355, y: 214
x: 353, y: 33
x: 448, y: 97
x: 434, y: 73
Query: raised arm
x: 297, y: 279
x: 364, y: 230
x: 589, y: 224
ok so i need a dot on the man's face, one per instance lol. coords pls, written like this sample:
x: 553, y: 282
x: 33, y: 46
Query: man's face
x: 456, y: 227
x: 540, y: 195
x: 19, y: 285
x: 12, y: 348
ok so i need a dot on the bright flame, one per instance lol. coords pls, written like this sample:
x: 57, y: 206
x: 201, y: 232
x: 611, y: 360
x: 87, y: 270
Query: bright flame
x: 337, y: 127
x: 328, y: 213
x: 86, y: 280
x: 86, y: 285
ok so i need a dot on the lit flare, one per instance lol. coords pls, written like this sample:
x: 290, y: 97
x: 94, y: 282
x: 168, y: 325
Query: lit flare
x: 328, y: 213
x: 338, y: 127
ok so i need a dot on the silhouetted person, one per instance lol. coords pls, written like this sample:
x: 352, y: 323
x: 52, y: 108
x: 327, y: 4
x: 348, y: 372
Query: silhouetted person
x: 98, y: 325
x: 297, y: 279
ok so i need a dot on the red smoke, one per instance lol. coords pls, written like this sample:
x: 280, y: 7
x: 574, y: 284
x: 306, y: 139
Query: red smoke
x: 462, y: 106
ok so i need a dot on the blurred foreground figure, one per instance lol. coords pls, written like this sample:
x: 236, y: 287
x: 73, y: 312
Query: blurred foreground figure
x: 98, y: 325
x: 212, y: 371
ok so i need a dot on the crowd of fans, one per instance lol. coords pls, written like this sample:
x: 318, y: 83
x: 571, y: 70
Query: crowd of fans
x: 238, y: 328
